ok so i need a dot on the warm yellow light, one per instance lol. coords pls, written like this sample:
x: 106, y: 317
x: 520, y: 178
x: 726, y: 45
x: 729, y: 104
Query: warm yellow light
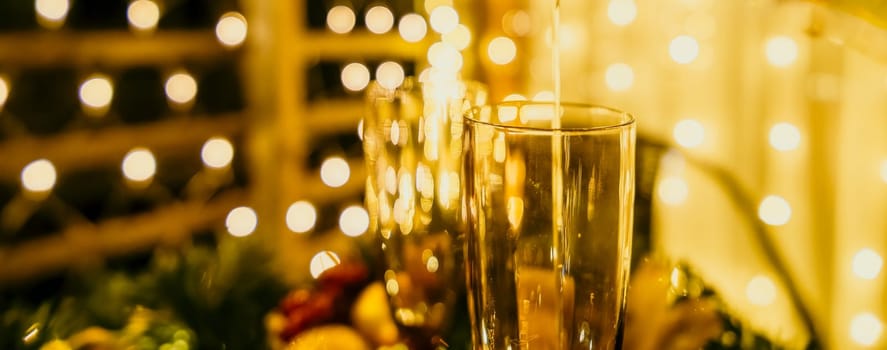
x: 785, y: 137
x: 517, y: 22
x: 217, y: 153
x: 139, y: 165
x: 390, y: 75
x: 241, y: 221
x: 355, y: 76
x: 689, y: 133
x: 96, y: 92
x: 412, y: 28
x: 334, y: 172
x: 143, y: 14
x: 430, y: 5
x: 354, y: 221
x: 51, y: 13
x: 866, y: 329
x: 341, y: 19
x: 622, y: 12
x: 181, y: 88
x: 360, y: 129
x: 231, y: 29
x: 761, y: 291
x: 4, y: 91
x: 458, y: 38
x: 444, y: 19
x: 379, y: 19
x: 444, y: 57
x: 781, y: 51
x: 544, y: 96
x: 514, y: 97
x: 502, y: 50
x: 867, y: 264
x: 39, y: 176
x: 683, y: 49
x: 884, y: 171
x: 301, y: 217
x: 774, y: 211
x: 619, y: 77
x: 673, y: 190
x: 323, y: 261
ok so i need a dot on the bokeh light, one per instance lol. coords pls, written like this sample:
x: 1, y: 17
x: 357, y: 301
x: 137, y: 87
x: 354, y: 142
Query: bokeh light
x: 354, y: 221
x: 51, y: 13
x: 143, y: 14
x: 412, y: 28
x: 673, y: 190
x: 444, y: 57
x: 866, y: 329
x: 761, y: 291
x: 231, y: 29
x: 4, y: 91
x: 683, y: 49
x: 379, y: 19
x: 180, y: 88
x: 514, y: 97
x: 622, y: 12
x: 543, y: 96
x: 334, y: 172
x: 301, y: 217
x: 781, y: 51
x: 619, y: 77
x: 390, y: 75
x: 785, y: 137
x: 689, y: 133
x: 323, y: 261
x: 444, y: 19
x: 867, y: 264
x: 241, y: 221
x: 774, y: 211
x: 217, y: 153
x: 341, y: 19
x: 39, y: 176
x: 139, y: 165
x: 517, y: 22
x: 96, y: 92
x: 884, y: 171
x: 458, y: 38
x: 355, y: 76
x: 502, y: 50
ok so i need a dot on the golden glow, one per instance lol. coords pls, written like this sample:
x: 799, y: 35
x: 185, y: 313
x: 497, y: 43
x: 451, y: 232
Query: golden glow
x: 231, y: 29
x: 619, y: 77
x: 301, y: 217
x: 139, y: 165
x: 39, y: 176
x: 514, y: 97
x: 432, y: 264
x: 867, y: 264
x: 341, y: 19
x: 355, y: 76
x: 181, y: 88
x: 544, y: 96
x: 96, y: 92
x: 515, y: 209
x: 360, y: 129
x: 683, y: 49
x: 430, y: 5
x: 241, y: 221
x: 444, y: 19
x: 458, y: 38
x: 334, y: 172
x: 354, y: 221
x: 379, y: 19
x: 507, y: 114
x: 4, y: 91
x: 774, y: 211
x: 884, y: 171
x: 622, y: 12
x: 866, y: 329
x: 143, y: 14
x: 502, y: 50
x: 673, y: 190
x: 322, y: 261
x: 761, y: 291
x: 785, y: 137
x: 392, y: 287
x: 51, y: 13
x: 445, y: 58
x: 390, y: 75
x: 781, y: 51
x: 517, y: 22
x: 499, y: 149
x: 412, y: 28
x: 217, y: 153
x: 689, y: 133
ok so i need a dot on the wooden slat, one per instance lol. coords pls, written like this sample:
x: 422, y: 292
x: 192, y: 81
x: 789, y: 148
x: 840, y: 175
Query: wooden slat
x: 334, y: 116
x: 88, y: 148
x: 107, y: 48
x: 326, y: 45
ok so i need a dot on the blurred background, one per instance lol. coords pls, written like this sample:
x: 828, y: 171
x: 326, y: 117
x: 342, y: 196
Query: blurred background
x: 205, y: 157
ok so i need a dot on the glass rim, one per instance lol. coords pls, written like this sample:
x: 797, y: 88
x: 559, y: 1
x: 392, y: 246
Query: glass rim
x: 412, y: 82
x: 627, y: 121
